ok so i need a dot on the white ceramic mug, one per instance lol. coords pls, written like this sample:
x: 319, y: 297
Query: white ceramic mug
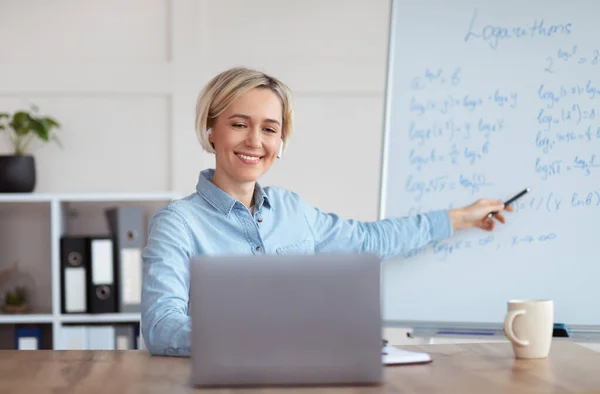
x: 528, y: 325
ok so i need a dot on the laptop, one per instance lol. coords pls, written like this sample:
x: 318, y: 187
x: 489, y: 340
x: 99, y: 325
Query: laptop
x: 286, y: 320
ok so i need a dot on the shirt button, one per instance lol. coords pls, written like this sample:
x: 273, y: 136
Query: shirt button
x: 259, y: 220
x: 258, y: 248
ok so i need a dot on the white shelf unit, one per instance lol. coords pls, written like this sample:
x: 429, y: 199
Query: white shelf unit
x: 31, y: 226
x: 101, y: 318
x: 30, y: 318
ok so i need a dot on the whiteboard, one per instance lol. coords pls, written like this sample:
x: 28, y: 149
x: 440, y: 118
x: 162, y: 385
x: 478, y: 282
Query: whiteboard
x: 483, y: 100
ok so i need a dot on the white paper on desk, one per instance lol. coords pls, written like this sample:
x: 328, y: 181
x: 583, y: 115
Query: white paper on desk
x: 392, y: 356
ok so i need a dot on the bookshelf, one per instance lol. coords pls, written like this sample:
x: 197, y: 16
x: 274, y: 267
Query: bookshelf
x: 101, y: 318
x: 29, y: 318
x: 31, y: 226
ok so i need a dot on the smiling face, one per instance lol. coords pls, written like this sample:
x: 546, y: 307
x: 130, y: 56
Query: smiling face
x: 246, y: 136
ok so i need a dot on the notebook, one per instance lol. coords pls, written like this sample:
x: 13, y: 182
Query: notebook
x: 394, y: 356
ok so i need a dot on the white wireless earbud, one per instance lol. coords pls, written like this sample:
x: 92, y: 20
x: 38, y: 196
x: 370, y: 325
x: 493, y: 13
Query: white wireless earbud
x: 280, y: 151
x: 208, y: 131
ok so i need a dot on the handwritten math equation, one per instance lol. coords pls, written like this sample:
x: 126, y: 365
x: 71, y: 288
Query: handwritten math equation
x: 452, y: 131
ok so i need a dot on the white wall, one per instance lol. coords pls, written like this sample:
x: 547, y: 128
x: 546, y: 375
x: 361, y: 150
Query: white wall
x: 122, y: 77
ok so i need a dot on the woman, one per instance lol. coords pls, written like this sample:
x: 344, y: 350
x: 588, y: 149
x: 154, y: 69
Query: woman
x: 245, y: 118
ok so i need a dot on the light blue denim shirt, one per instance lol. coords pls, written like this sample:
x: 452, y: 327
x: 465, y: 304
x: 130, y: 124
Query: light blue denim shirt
x: 211, y: 222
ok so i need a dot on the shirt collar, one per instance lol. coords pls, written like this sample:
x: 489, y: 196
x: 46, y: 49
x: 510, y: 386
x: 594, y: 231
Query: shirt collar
x: 223, y: 201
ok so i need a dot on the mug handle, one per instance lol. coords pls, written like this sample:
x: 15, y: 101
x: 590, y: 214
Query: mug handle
x: 508, y: 328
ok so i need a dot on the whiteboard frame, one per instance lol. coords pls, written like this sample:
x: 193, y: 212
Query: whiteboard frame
x: 387, y: 112
x: 429, y: 328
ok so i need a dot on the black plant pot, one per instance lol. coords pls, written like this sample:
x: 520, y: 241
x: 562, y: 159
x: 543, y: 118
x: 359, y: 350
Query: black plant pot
x: 17, y: 174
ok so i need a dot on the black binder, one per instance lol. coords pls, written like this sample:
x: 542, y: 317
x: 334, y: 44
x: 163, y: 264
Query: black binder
x: 101, y: 277
x: 74, y: 267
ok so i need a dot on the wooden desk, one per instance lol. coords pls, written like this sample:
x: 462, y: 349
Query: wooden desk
x: 466, y: 368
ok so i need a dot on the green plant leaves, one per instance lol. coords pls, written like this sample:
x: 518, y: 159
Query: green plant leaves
x: 23, y: 123
x: 39, y: 129
x: 49, y: 122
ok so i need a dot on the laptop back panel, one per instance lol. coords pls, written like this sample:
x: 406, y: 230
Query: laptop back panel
x: 260, y: 320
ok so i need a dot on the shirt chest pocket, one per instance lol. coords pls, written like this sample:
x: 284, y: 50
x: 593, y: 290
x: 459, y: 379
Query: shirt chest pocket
x: 302, y: 247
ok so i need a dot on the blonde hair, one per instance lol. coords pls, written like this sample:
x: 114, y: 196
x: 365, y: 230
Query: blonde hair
x: 226, y: 87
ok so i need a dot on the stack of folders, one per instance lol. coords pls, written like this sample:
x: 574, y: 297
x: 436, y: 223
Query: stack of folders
x: 100, y: 337
x: 123, y: 336
x: 103, y: 273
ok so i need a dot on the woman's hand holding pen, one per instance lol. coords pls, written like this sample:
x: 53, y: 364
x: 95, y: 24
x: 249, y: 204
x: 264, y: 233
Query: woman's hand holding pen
x: 476, y: 215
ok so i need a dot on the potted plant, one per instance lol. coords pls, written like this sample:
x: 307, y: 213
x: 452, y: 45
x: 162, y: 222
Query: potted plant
x: 15, y: 301
x: 17, y: 170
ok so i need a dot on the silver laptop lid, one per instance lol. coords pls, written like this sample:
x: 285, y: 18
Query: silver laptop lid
x: 286, y: 319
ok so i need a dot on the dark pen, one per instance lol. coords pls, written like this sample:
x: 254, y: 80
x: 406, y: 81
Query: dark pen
x: 511, y: 200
